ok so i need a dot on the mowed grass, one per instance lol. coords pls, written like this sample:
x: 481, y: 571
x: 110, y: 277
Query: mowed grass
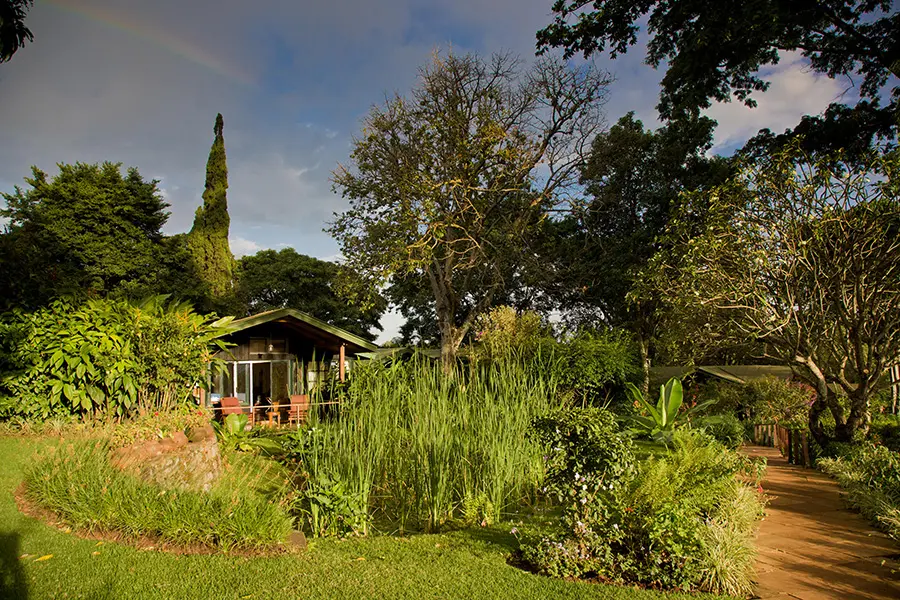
x: 464, y: 564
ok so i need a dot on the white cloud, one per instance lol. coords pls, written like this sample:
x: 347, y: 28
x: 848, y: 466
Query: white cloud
x: 243, y: 247
x: 391, y: 321
x: 796, y: 90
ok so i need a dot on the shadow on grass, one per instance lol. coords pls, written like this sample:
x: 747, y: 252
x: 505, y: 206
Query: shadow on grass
x: 12, y: 576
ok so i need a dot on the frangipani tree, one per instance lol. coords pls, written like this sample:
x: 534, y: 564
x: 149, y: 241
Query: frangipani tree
x: 803, y: 254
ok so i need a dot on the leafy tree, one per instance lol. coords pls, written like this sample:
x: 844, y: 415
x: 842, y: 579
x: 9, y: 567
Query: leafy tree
x: 285, y: 279
x: 88, y: 231
x: 803, y: 255
x: 13, y: 31
x: 208, y: 238
x: 715, y: 51
x: 632, y: 180
x: 450, y: 184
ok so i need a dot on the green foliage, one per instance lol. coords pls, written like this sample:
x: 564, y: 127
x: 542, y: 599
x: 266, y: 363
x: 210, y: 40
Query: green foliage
x: 88, y: 231
x: 77, y: 483
x: 414, y: 445
x: 590, y: 364
x: 725, y: 428
x: 713, y: 53
x: 208, y: 238
x: 234, y: 434
x: 273, y: 279
x: 103, y: 357
x: 885, y: 430
x: 660, y: 423
x: 680, y: 520
x: 871, y: 476
x: 589, y: 462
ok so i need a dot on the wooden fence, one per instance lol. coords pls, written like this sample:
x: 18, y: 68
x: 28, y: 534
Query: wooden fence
x: 793, y: 445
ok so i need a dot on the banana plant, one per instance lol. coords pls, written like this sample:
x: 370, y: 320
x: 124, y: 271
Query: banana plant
x: 666, y: 415
x: 233, y: 434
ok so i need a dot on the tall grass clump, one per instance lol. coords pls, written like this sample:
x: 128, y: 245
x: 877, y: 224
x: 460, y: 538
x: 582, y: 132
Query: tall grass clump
x: 415, y: 448
x: 79, y: 485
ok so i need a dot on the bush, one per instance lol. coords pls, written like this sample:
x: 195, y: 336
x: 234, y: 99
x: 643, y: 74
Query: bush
x: 80, y: 486
x: 725, y: 428
x: 102, y: 357
x: 871, y: 476
x: 885, y: 430
x: 680, y: 520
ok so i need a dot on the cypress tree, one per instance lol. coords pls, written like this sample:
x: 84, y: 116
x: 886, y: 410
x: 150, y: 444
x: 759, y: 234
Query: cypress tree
x: 208, y: 238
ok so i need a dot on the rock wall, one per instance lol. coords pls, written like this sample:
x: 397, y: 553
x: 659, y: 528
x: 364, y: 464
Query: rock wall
x: 182, y: 461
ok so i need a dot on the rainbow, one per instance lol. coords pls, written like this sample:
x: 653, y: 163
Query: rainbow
x: 157, y: 37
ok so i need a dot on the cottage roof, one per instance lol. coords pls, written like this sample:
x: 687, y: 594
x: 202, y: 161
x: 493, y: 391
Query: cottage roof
x: 325, y: 336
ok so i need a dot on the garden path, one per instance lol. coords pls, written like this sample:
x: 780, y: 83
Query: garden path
x: 812, y: 547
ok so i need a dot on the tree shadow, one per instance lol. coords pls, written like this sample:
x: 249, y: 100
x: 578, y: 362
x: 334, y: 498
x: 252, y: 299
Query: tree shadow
x: 12, y: 576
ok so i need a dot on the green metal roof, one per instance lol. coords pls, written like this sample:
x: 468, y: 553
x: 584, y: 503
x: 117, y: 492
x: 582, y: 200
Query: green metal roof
x: 290, y: 315
x: 733, y: 373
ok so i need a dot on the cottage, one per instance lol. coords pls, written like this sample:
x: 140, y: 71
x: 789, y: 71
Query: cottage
x: 280, y: 353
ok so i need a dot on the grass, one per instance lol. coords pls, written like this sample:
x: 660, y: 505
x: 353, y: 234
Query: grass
x: 418, y: 448
x: 78, y: 484
x: 465, y: 564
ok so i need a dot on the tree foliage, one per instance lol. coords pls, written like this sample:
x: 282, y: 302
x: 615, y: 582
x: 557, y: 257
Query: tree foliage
x: 273, y: 279
x: 802, y: 254
x: 715, y: 51
x: 449, y: 185
x: 13, y: 31
x: 88, y: 231
x: 632, y: 180
x: 208, y: 238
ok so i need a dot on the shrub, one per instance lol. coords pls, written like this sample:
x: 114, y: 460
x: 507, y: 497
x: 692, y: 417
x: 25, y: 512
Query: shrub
x: 871, y: 476
x: 723, y: 396
x: 680, y: 520
x: 885, y: 430
x: 102, y: 357
x: 725, y: 428
x: 80, y: 486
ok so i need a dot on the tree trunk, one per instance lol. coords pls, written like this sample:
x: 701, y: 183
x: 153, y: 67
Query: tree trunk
x: 644, y: 345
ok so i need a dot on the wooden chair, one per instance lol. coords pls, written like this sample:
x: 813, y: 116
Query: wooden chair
x: 298, y: 409
x: 230, y: 406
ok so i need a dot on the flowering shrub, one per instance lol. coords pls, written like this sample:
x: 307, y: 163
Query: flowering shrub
x: 678, y: 520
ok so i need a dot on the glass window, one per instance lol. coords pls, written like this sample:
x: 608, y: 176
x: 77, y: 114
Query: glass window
x: 243, y: 383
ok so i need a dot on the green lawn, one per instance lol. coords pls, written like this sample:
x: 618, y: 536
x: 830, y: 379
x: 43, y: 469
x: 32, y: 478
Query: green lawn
x: 466, y: 564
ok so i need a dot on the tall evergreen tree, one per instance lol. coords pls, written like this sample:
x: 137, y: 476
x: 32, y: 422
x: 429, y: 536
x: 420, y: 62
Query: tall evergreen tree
x: 208, y: 238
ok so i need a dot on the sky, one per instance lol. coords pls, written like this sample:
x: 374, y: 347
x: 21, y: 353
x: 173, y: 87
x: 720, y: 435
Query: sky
x: 141, y: 82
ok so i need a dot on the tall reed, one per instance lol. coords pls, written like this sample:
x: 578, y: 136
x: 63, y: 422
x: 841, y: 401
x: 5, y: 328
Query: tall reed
x: 421, y: 446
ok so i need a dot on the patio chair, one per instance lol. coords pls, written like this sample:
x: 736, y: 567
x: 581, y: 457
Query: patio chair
x: 298, y: 409
x: 230, y: 406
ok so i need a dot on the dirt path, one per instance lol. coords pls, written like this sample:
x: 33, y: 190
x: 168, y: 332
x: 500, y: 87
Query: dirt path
x: 812, y: 547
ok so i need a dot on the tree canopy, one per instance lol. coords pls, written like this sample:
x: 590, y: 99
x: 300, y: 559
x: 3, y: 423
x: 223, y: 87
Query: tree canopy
x: 90, y: 230
x: 273, y: 279
x: 208, y: 238
x: 713, y: 51
x: 803, y: 255
x: 448, y: 185
x: 13, y: 31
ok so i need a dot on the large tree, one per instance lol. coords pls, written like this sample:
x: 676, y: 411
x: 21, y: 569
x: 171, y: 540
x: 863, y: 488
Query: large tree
x: 13, y: 31
x: 713, y: 51
x: 273, y: 279
x: 90, y: 230
x: 632, y: 180
x: 803, y: 255
x: 449, y: 184
x: 208, y: 238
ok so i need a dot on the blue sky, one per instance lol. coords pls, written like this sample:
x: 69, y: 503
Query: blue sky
x: 141, y: 82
